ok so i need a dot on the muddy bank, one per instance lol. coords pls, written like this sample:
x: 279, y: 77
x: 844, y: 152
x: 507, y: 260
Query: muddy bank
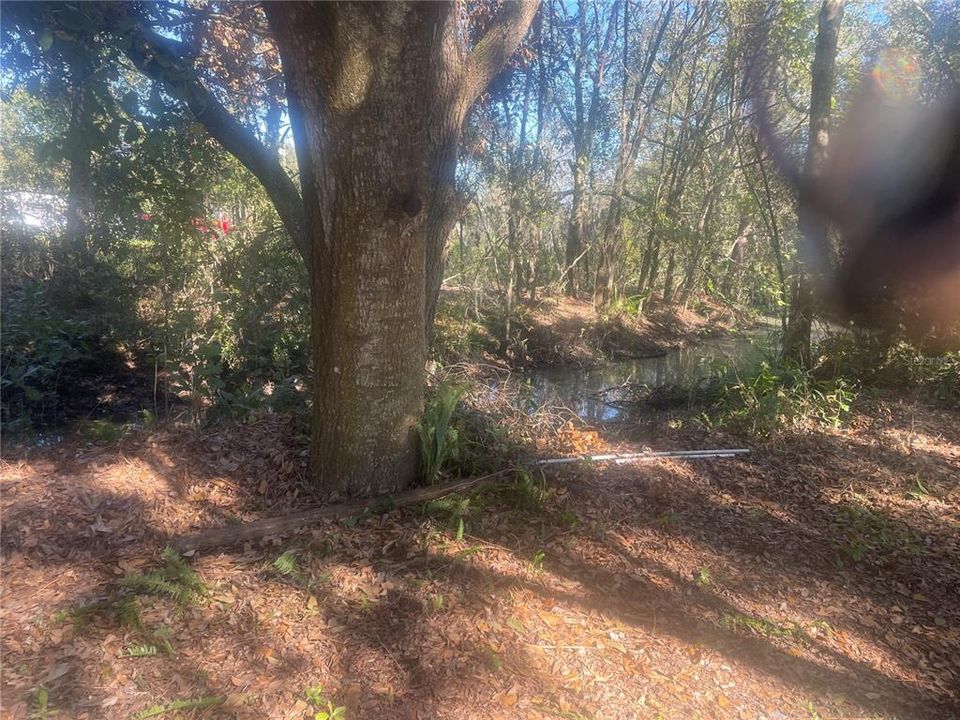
x: 561, y: 331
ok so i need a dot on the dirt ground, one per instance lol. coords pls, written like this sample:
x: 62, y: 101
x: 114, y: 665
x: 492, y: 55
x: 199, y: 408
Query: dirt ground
x: 818, y: 577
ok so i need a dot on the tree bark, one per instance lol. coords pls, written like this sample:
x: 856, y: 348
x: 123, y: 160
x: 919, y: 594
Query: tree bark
x: 80, y: 178
x: 796, y: 341
x: 378, y: 94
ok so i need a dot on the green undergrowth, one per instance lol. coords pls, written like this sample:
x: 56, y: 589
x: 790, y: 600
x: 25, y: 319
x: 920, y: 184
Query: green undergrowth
x: 290, y: 567
x: 439, y: 437
x: 862, y: 534
x: 41, y: 707
x: 761, y: 626
x: 459, y: 438
x: 514, y: 504
x: 173, y: 580
x: 774, y: 396
x: 898, y: 365
x: 462, y: 330
x: 323, y: 707
x: 773, y: 399
x: 41, y: 344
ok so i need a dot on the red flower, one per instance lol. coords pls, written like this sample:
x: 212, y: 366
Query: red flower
x: 146, y: 217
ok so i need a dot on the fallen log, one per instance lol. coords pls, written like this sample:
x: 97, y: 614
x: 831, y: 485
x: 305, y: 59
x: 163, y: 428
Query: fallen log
x: 259, y: 529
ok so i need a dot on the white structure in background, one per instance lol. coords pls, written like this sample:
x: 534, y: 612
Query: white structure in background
x: 36, y: 212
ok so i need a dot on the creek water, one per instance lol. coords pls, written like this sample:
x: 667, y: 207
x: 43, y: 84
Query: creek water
x: 592, y: 393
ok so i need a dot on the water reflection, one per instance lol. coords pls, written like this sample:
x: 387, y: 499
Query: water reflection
x: 592, y: 392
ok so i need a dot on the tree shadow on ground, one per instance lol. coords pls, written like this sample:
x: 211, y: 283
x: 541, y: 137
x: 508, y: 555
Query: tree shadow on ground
x: 691, y: 613
x: 618, y: 545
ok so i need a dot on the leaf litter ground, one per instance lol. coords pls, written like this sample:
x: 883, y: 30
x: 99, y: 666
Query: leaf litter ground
x: 816, y: 578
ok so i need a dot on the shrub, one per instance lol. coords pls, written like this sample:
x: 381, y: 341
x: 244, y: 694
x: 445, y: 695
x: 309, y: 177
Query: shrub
x: 772, y: 399
x: 899, y: 365
x: 38, y: 344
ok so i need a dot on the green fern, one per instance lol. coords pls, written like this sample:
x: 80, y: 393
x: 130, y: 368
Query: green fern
x: 287, y: 565
x: 124, y: 610
x: 177, y: 569
x: 40, y: 705
x: 437, y: 437
x: 193, y: 704
x: 153, y: 584
x: 175, y: 580
x: 80, y: 615
x: 127, y: 611
x: 137, y: 650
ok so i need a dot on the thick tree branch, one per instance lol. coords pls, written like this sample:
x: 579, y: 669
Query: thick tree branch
x: 160, y: 59
x: 286, y: 524
x: 497, y: 45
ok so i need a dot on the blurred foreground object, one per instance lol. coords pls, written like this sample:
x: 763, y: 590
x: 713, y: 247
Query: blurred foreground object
x: 889, y: 186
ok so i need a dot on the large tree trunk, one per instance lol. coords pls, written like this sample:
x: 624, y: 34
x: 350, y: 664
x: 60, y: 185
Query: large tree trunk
x: 575, y: 229
x: 378, y: 94
x: 370, y: 207
x: 80, y: 179
x: 796, y: 341
x: 71, y: 259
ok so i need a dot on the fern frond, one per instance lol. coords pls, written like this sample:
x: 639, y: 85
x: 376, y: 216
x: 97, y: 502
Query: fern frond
x: 140, y: 650
x: 287, y: 565
x: 177, y: 570
x: 171, y: 558
x: 155, y: 584
x: 127, y: 611
x: 176, y: 579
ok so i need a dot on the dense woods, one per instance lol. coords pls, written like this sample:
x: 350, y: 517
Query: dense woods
x: 151, y: 183
x: 282, y: 258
